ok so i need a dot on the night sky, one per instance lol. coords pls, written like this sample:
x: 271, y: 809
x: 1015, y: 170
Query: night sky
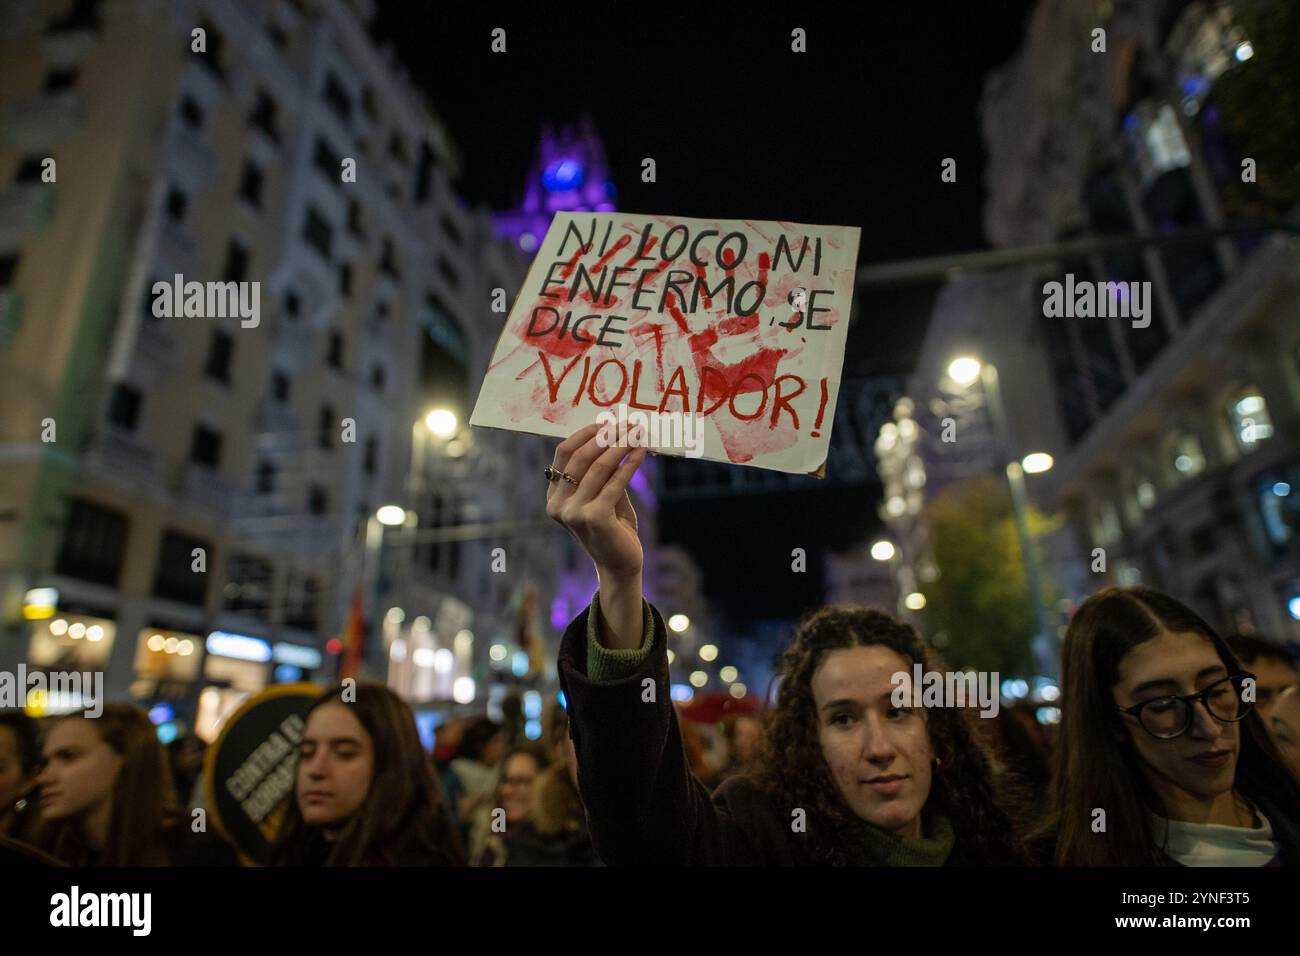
x: 851, y: 132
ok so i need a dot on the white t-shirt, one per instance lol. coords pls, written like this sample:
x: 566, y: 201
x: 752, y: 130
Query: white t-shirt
x: 1212, y: 844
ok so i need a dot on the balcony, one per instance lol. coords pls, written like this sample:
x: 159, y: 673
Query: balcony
x: 121, y: 454
x: 37, y: 122
x: 204, y: 487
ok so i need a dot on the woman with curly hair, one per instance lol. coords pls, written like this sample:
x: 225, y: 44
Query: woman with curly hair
x: 843, y: 777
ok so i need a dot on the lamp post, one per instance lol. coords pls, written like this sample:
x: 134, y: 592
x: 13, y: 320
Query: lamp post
x: 965, y: 371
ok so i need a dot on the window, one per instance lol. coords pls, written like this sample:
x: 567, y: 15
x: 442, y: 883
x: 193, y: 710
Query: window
x: 191, y: 113
x: 175, y: 577
x: 30, y: 170
x: 265, y: 478
x: 124, y: 406
x: 424, y: 174
x: 248, y: 585
x: 292, y: 304
x: 263, y: 115
x: 1277, y: 495
x: 387, y: 260
x: 81, y: 15
x: 94, y: 543
x: 325, y: 429
x: 8, y: 266
x: 327, y: 162
x: 250, y: 184
x: 236, y: 262
x: 448, y: 272
x: 336, y: 96
x: 277, y: 35
x: 56, y: 81
x: 354, y: 219
x: 317, y: 500
x: 372, y: 455
x: 280, y: 386
x: 334, y: 354
x: 377, y: 378
x: 205, y: 447
x: 147, y: 303
x: 176, y: 203
x: 1249, y: 418
x: 450, y: 228
x: 218, y: 364
x: 212, y: 57
x: 1188, y: 459
x: 368, y: 103
x: 302, y: 594
x: 345, y: 279
x: 318, y: 233
x: 397, y: 148
x: 1106, y: 527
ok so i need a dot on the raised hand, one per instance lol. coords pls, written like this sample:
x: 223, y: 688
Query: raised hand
x: 596, y: 508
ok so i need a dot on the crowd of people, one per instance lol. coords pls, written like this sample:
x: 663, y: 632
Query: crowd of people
x: 1175, y: 746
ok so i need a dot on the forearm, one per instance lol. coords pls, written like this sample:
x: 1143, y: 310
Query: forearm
x: 622, y: 613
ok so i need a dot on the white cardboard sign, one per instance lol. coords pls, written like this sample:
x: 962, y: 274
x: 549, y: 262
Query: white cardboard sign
x: 735, y: 328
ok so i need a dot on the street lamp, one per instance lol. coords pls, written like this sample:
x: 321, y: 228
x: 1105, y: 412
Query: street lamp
x: 964, y: 370
x: 442, y: 422
x: 882, y: 550
x: 1037, y: 463
x: 679, y: 622
x: 391, y: 515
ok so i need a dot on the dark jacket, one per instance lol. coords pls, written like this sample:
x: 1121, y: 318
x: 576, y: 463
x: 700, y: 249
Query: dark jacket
x: 644, y: 806
x: 528, y: 846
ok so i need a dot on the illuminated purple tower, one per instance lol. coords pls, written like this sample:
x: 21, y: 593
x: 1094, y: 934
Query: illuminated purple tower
x: 568, y: 173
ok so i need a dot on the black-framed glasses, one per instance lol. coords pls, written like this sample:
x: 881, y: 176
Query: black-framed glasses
x: 1171, y: 716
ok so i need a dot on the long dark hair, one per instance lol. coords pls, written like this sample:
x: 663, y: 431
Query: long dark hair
x: 402, y: 816
x: 790, y: 765
x: 1094, y: 768
x: 144, y: 801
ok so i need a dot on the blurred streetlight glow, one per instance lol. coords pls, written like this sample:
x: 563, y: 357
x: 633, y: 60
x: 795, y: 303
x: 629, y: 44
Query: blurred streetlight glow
x: 708, y: 652
x: 964, y: 370
x: 882, y: 550
x: 1036, y: 463
x: 679, y: 622
x: 391, y: 515
x: 441, y: 422
x: 915, y: 601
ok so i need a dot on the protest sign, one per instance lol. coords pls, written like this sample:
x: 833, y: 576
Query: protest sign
x: 733, y: 330
x: 249, y: 771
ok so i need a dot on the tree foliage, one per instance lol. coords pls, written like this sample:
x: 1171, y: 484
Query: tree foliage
x: 981, y: 602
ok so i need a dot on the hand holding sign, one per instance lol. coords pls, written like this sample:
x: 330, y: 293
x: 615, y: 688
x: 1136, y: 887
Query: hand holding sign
x: 599, y: 513
x: 737, y: 326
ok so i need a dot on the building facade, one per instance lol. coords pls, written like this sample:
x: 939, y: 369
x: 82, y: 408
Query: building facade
x: 175, y: 477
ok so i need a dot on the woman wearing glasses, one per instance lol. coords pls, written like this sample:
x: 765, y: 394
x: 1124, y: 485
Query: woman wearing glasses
x: 1161, y: 758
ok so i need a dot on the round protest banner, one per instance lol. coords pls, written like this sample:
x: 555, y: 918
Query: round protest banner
x: 248, y: 773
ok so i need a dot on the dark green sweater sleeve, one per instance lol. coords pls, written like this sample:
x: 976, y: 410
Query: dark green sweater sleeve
x: 604, y: 664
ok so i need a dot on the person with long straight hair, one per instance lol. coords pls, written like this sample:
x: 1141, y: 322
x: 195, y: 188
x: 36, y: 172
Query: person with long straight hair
x: 1161, y: 757
x: 364, y: 792
x: 106, y: 796
x: 845, y: 773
